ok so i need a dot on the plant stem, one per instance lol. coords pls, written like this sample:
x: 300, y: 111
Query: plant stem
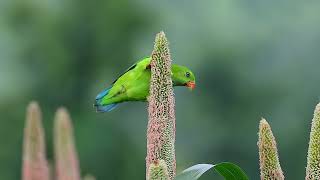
x: 35, y: 166
x: 313, y: 159
x: 161, y: 124
x: 268, y: 154
x: 67, y: 165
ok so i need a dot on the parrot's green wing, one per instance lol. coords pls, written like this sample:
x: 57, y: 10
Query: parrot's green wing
x: 130, y: 68
x: 128, y: 85
x: 146, y: 64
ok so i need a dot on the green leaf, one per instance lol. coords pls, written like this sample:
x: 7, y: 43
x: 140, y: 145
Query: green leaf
x: 194, y: 172
x: 228, y: 170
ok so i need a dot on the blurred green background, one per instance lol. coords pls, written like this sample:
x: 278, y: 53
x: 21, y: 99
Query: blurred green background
x: 252, y: 59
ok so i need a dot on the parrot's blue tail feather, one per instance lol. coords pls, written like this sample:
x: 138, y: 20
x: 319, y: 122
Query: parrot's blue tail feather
x: 106, y: 108
x: 103, y: 93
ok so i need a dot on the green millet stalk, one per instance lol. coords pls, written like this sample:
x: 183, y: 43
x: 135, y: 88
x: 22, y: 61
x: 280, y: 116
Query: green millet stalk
x: 158, y: 171
x: 67, y: 165
x: 268, y: 154
x: 313, y: 159
x: 35, y: 166
x: 161, y: 124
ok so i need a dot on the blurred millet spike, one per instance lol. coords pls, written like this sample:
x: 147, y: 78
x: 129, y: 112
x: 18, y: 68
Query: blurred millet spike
x: 35, y: 166
x: 88, y: 177
x: 161, y: 124
x: 67, y: 166
x: 269, y: 161
x: 313, y: 159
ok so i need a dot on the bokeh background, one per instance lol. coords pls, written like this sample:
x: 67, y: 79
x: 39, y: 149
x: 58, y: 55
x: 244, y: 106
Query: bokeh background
x: 252, y: 59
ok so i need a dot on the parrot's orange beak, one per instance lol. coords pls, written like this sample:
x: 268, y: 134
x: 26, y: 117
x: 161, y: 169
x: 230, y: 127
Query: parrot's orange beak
x: 191, y: 85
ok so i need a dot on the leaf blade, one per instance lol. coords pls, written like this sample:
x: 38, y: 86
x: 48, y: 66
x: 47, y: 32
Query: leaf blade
x: 228, y: 170
x: 194, y: 172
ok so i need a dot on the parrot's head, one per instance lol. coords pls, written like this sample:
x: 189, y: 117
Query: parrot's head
x: 183, y: 76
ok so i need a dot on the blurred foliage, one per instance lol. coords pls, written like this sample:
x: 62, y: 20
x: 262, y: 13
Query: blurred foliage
x: 251, y: 59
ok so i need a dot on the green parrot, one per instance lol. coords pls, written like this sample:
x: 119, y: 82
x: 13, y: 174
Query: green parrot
x: 133, y: 85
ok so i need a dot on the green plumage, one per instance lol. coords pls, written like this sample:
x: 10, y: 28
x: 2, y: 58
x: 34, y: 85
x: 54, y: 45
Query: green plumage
x: 133, y: 85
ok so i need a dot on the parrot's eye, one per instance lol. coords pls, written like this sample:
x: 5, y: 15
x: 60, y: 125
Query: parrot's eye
x: 187, y: 74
